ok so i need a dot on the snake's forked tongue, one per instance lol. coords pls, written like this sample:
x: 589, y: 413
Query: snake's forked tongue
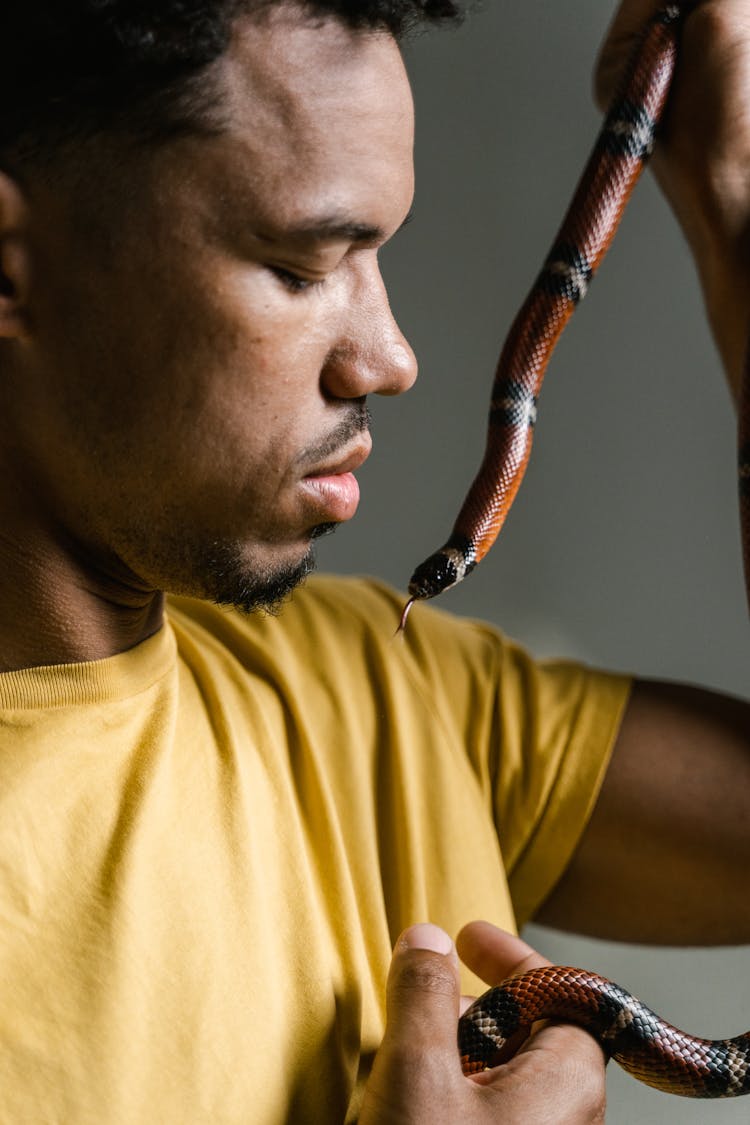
x: 614, y: 167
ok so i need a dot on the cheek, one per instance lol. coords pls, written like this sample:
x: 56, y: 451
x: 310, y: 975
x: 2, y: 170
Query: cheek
x: 203, y: 351
x: 250, y: 399
x: 275, y: 346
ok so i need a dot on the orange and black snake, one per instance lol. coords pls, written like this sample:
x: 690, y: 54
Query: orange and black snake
x: 640, y: 1041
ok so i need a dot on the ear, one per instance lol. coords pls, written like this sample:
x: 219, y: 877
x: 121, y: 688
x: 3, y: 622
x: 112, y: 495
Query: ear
x: 14, y: 259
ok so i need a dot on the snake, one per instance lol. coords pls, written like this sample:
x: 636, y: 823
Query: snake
x: 621, y: 150
x: 644, y: 1044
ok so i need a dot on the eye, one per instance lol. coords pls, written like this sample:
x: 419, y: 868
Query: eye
x: 294, y: 281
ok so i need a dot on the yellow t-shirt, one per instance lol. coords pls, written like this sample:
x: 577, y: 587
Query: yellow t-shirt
x: 209, y: 843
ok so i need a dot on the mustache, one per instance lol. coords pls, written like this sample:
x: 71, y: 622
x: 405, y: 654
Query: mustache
x: 357, y: 420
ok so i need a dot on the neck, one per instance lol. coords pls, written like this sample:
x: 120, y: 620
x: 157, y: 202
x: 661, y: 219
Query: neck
x: 54, y: 609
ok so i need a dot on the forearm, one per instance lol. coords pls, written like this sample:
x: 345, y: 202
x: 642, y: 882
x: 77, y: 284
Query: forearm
x: 711, y: 201
x: 726, y: 292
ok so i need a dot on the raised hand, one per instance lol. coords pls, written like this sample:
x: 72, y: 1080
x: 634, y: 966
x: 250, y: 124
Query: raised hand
x: 702, y: 159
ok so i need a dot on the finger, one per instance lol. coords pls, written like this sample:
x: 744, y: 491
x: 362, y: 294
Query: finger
x: 465, y: 1003
x: 617, y: 46
x: 423, y: 994
x: 566, y: 1039
x: 584, y: 1055
x: 565, y: 1067
x: 493, y: 954
x: 416, y: 1076
x: 625, y: 30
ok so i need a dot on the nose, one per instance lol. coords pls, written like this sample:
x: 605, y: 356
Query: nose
x: 371, y: 356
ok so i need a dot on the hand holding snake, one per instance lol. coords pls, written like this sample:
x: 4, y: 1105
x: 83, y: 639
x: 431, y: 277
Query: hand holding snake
x: 557, y: 1077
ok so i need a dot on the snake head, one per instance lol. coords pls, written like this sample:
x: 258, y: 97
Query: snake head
x: 446, y: 568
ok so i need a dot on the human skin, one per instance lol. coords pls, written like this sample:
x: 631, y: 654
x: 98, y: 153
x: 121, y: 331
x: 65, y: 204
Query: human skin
x: 181, y: 366
x: 702, y: 157
x: 557, y: 1076
x: 665, y: 856
x: 167, y: 385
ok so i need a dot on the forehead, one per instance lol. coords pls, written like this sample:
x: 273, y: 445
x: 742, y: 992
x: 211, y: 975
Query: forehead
x: 315, y: 108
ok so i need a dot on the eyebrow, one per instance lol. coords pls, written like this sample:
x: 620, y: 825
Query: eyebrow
x: 335, y: 228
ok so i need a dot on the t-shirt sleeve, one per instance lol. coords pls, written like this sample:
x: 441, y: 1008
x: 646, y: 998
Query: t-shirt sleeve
x: 539, y: 735
x: 557, y: 725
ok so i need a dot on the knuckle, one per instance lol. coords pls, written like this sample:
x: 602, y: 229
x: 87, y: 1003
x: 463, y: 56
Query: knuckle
x: 426, y: 973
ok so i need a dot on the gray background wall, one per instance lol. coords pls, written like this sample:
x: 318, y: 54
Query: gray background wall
x: 623, y: 547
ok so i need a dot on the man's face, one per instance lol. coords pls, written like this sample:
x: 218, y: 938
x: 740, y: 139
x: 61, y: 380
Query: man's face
x: 190, y: 397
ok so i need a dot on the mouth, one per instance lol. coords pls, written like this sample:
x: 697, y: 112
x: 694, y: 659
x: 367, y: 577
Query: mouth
x: 332, y: 488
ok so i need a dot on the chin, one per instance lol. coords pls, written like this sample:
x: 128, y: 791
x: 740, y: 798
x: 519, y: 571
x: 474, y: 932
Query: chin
x: 230, y: 578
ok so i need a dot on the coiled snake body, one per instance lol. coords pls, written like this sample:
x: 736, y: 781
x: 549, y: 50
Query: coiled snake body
x: 640, y: 1041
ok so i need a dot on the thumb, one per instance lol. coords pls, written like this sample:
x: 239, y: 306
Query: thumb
x: 417, y: 1070
x: 423, y: 992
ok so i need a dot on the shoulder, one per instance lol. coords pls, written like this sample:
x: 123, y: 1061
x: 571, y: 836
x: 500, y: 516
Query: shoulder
x: 347, y: 623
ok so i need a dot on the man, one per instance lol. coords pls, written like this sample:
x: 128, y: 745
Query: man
x: 213, y: 828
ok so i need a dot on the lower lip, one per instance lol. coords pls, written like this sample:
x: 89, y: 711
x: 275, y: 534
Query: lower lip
x: 336, y: 497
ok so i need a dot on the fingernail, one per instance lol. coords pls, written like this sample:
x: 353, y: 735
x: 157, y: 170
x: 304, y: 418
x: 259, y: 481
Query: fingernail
x: 426, y: 936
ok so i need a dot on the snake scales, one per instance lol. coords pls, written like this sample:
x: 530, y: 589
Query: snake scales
x: 644, y: 1044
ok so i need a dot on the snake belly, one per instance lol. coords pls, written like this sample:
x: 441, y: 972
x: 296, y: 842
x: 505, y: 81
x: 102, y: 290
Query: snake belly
x: 614, y: 167
x: 645, y: 1045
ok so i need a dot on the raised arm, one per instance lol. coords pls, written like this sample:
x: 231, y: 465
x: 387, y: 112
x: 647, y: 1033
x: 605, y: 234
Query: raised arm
x: 666, y: 857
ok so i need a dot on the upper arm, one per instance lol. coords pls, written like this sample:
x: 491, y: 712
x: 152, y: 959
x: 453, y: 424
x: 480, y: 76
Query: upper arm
x: 666, y: 855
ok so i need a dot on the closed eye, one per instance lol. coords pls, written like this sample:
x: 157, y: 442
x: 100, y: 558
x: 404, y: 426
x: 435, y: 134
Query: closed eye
x: 293, y: 281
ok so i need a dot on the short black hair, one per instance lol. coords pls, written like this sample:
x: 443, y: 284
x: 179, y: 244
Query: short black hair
x: 77, y: 68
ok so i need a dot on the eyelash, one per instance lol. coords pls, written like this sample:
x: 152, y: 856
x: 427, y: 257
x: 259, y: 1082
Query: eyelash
x: 293, y: 281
